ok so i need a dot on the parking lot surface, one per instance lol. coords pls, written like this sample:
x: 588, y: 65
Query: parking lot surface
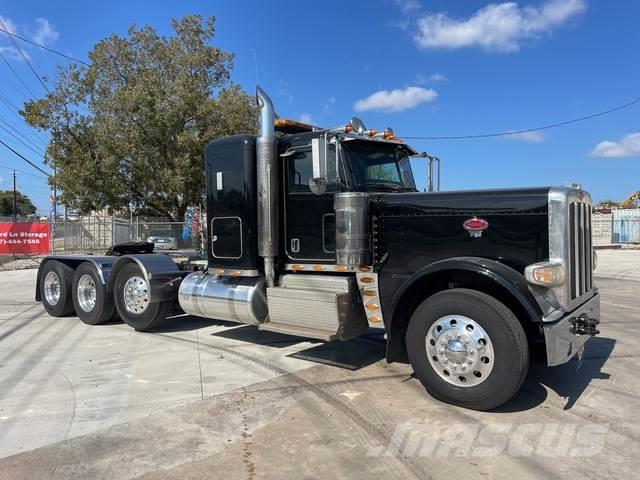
x: 207, y: 399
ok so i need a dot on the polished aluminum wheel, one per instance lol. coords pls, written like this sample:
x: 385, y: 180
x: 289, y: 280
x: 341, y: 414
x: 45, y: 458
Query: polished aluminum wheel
x: 136, y: 295
x: 460, y: 350
x: 52, y: 288
x: 86, y: 293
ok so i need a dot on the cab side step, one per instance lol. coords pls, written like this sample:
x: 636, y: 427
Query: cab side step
x: 326, y: 307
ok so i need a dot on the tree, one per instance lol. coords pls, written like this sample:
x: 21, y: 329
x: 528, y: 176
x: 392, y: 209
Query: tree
x: 128, y: 131
x: 24, y: 205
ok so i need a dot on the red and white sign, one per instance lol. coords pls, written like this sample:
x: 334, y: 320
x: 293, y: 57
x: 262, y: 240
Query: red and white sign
x: 30, y: 238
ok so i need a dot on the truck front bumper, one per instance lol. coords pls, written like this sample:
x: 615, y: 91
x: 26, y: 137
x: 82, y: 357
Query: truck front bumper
x: 566, y: 337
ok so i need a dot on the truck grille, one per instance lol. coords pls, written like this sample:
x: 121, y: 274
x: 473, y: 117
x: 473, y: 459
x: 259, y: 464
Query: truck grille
x: 580, y: 255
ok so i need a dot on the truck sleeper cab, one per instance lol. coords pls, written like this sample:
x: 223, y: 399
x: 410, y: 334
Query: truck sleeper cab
x: 322, y: 233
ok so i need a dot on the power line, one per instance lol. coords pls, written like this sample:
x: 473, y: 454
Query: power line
x: 18, y: 154
x: 22, y: 172
x: 24, y: 57
x: 44, y: 47
x: 39, y: 146
x: 528, y: 130
x: 23, y: 136
x: 16, y: 74
x: 22, y: 141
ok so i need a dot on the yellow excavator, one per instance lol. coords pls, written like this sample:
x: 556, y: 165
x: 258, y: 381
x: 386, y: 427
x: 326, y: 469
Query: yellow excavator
x: 631, y: 201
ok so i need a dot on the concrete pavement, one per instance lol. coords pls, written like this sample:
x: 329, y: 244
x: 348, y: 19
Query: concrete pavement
x: 107, y: 402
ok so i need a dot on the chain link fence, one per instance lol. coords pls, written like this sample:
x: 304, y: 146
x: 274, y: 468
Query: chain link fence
x: 94, y: 233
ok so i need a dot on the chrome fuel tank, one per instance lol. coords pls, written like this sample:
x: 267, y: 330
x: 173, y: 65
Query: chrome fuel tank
x: 235, y: 299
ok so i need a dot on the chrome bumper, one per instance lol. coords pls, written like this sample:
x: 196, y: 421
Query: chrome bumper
x: 562, y: 337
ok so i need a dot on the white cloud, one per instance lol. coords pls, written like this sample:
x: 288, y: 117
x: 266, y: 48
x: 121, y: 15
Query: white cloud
x: 46, y: 32
x: 8, y: 23
x: 306, y: 118
x: 285, y: 90
x: 532, y: 137
x: 501, y: 27
x: 12, y: 54
x: 628, y: 146
x: 408, y: 6
x: 433, y: 78
x: 396, y: 100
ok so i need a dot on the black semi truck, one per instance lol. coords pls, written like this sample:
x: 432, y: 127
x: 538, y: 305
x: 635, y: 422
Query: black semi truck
x: 321, y: 233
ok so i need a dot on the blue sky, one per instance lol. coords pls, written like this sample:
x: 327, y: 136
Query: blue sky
x: 423, y: 67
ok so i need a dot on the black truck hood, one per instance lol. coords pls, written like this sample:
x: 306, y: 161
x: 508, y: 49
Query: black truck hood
x: 416, y: 229
x: 499, y: 201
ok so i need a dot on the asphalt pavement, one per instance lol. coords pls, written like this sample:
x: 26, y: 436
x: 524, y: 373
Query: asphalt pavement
x: 208, y: 399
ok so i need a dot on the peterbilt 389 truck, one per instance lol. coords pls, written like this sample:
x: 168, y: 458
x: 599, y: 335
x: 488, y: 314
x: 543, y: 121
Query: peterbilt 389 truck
x: 322, y: 233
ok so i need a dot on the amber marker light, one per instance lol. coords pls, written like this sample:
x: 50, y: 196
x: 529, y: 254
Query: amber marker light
x: 366, y: 280
x: 298, y: 267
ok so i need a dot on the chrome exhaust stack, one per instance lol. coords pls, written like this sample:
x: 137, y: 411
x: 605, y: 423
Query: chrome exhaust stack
x: 267, y: 185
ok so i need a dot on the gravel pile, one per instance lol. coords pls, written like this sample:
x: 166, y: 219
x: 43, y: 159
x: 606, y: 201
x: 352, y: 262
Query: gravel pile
x: 19, y: 263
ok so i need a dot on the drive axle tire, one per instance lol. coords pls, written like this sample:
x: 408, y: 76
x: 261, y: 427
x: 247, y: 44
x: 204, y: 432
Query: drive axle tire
x: 467, y: 349
x: 133, y: 300
x: 55, y: 288
x: 92, y: 302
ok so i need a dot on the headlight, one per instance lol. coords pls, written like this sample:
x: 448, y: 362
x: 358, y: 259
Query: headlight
x: 547, y: 274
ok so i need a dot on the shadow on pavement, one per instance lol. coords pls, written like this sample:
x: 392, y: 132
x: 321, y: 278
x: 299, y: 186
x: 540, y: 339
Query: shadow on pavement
x: 186, y: 323
x: 564, y: 379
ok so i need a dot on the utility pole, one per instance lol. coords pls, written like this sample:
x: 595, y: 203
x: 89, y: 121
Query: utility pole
x: 15, y: 199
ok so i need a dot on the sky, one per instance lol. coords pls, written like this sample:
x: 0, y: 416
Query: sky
x: 426, y: 68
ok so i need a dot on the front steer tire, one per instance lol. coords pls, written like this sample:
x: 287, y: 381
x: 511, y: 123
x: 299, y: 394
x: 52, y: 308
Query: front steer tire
x: 145, y: 314
x: 56, y: 280
x: 510, y: 353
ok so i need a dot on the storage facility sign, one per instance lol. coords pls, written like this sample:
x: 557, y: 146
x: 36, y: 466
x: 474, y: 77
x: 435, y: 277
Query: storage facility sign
x: 29, y: 238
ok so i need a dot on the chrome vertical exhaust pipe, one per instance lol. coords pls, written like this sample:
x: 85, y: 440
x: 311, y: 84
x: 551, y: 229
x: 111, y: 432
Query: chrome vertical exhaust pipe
x: 267, y: 183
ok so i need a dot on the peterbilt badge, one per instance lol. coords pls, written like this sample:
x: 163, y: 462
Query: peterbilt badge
x: 475, y: 226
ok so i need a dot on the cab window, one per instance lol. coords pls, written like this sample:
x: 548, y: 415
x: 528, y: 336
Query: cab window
x: 300, y: 169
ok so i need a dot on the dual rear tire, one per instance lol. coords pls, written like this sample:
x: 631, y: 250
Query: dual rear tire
x: 132, y: 295
x: 64, y: 291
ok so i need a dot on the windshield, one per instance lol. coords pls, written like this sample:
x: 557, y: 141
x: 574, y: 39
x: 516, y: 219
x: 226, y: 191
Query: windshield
x: 379, y: 167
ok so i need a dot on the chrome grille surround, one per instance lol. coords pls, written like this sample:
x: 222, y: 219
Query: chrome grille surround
x: 570, y: 243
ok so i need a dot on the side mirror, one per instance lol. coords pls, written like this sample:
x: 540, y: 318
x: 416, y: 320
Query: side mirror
x: 318, y: 183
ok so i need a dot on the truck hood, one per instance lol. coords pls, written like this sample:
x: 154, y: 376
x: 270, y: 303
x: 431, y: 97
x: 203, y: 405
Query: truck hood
x: 476, y: 202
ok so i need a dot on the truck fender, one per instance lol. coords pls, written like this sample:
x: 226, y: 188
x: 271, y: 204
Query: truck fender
x: 101, y: 264
x: 160, y: 272
x: 490, y: 271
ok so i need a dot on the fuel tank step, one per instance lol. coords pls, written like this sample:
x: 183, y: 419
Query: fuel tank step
x: 298, y: 331
x: 326, y: 307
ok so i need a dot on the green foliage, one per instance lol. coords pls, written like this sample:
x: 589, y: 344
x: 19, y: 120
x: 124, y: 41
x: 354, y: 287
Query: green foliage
x: 129, y: 130
x: 23, y: 203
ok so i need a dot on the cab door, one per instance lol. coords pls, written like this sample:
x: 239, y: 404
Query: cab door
x: 310, y: 227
